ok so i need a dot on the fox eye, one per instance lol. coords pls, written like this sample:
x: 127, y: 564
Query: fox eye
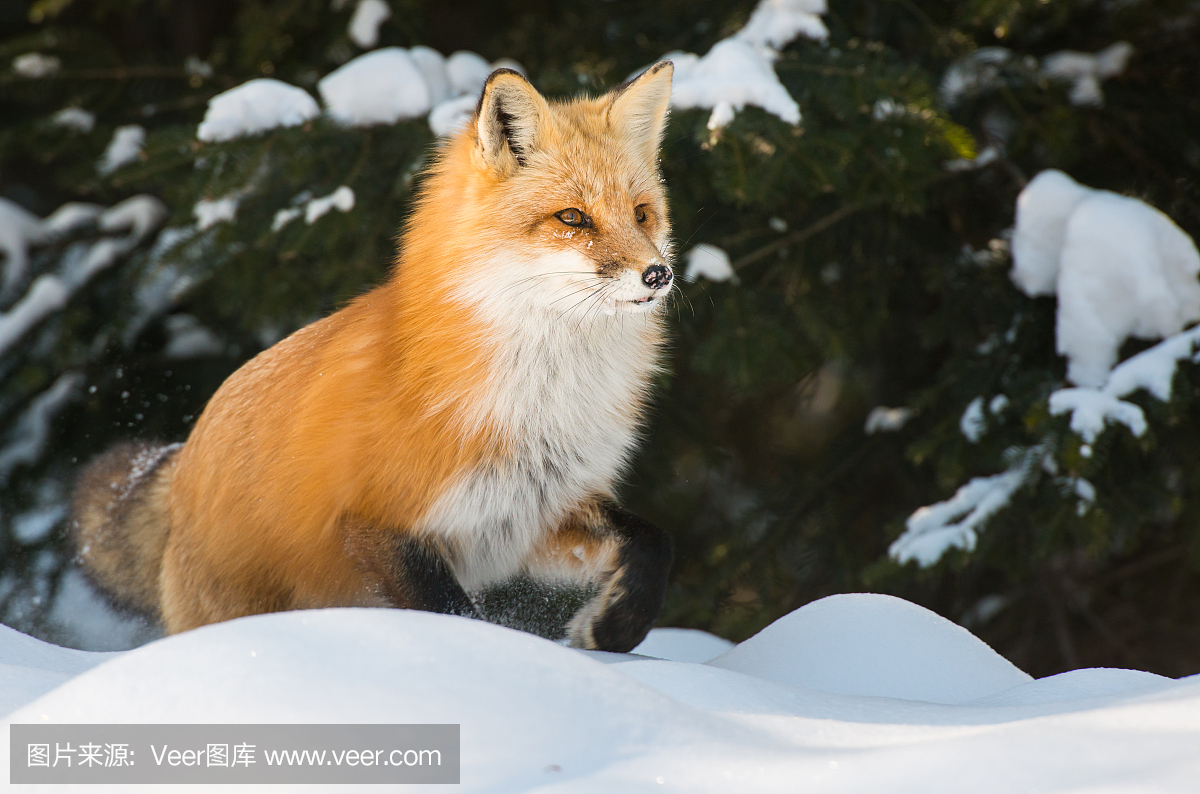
x: 639, y: 213
x: 572, y: 217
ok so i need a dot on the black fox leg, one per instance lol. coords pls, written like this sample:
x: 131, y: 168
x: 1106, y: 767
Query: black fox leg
x: 624, y: 559
x: 408, y: 573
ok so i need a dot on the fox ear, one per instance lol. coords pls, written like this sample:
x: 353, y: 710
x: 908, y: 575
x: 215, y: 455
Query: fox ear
x: 508, y: 119
x: 639, y: 108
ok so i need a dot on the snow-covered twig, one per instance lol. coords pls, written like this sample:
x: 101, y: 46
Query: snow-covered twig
x: 933, y: 530
x: 32, y: 428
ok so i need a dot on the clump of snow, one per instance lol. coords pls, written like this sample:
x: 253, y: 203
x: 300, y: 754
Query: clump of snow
x: 124, y: 148
x: 253, y: 107
x: 1085, y: 71
x: 195, y: 67
x: 140, y: 214
x: 76, y: 119
x: 285, y: 216
x: 210, y: 212
x: 1120, y: 268
x: 1153, y: 369
x: 18, y: 229
x: 380, y: 87
x: 449, y: 116
x: 683, y: 645
x: 46, y: 295
x: 467, y: 72
x: 432, y: 65
x: 998, y: 404
x: 341, y: 199
x: 1076, y: 685
x: 34, y: 526
x: 874, y: 645
x: 886, y: 420
x: 933, y: 530
x: 32, y: 429
x: 732, y: 75
x: 36, y: 65
x: 69, y: 217
x: 710, y: 262
x: 974, y: 74
x: 364, y: 25
x: 776, y: 23
x: 187, y: 338
x: 987, y: 156
x: 973, y: 424
x: 738, y: 70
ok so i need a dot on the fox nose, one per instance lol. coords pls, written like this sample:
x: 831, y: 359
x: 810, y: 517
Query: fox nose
x: 656, y: 276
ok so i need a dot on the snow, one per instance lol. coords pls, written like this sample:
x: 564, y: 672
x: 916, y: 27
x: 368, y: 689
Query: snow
x: 467, y: 72
x: 69, y: 217
x: 34, y: 526
x: 18, y: 228
x: 1120, y: 268
x: 432, y: 65
x: 124, y: 148
x: 891, y: 648
x: 76, y: 119
x: 708, y: 261
x: 253, y: 107
x: 973, y: 424
x: 364, y: 25
x: 997, y: 404
x: 1153, y: 370
x: 380, y: 87
x: 449, y: 116
x: 32, y: 429
x: 36, y: 65
x: 886, y: 420
x: 776, y: 23
x: 341, y: 199
x: 1085, y: 71
x: 976, y: 73
x: 140, y: 214
x: 732, y: 75
x: 46, y: 295
x: 187, y: 338
x: 933, y: 530
x: 850, y: 693
x: 210, y: 212
x: 683, y: 645
x: 738, y: 70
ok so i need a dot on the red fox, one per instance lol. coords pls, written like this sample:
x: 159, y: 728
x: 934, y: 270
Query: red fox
x: 460, y: 426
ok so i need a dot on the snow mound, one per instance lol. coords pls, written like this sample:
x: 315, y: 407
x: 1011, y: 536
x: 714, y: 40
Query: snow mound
x: 537, y: 716
x: 253, y: 107
x: 449, y: 116
x: 380, y: 87
x: 467, y: 72
x: 859, y: 644
x: 1077, y: 685
x: 732, y: 75
x: 1120, y: 268
x: 683, y: 645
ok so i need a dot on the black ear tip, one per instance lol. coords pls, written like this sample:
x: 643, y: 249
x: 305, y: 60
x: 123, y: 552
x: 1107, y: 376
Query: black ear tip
x: 504, y: 70
x: 658, y: 67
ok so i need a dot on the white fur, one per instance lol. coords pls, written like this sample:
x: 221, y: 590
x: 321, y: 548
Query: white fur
x: 560, y: 389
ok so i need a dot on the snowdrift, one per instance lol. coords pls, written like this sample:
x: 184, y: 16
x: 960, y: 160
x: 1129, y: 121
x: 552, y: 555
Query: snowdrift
x: 850, y: 693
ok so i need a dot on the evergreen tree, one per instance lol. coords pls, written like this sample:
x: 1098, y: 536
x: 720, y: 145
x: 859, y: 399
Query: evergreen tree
x: 868, y: 244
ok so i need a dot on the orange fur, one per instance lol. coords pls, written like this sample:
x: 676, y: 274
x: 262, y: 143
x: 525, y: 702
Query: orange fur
x: 360, y: 422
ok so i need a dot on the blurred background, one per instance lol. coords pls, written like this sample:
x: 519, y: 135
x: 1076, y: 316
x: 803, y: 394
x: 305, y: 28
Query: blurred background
x: 860, y: 263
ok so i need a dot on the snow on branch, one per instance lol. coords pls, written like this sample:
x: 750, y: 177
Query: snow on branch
x: 1153, y: 370
x: 1120, y: 268
x: 933, y: 530
x: 738, y: 70
x: 253, y: 107
x: 1085, y: 71
x: 32, y: 428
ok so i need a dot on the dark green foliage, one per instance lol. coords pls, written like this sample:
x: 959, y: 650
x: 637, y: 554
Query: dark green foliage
x: 868, y: 274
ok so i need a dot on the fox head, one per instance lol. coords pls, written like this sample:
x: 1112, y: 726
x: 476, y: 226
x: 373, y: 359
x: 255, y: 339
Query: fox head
x: 556, y: 205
